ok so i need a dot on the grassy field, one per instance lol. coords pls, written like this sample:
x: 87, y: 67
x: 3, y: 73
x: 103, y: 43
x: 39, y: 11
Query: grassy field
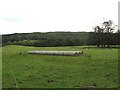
x: 96, y: 68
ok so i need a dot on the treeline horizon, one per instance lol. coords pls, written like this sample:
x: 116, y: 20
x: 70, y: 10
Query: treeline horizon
x: 45, y: 32
x: 52, y: 39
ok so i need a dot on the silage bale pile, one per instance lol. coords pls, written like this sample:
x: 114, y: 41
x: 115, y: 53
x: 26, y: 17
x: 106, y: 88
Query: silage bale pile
x: 59, y: 53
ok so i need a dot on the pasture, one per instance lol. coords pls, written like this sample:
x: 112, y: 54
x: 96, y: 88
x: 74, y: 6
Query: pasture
x: 97, y: 68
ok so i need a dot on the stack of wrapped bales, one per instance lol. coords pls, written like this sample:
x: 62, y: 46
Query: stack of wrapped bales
x: 60, y: 53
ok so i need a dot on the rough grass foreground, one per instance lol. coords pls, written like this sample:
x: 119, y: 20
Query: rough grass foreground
x: 97, y: 68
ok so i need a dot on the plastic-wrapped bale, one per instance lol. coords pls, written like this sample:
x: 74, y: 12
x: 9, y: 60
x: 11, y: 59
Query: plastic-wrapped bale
x: 60, y: 53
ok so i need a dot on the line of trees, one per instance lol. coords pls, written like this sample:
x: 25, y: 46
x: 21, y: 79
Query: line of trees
x: 47, y: 39
x: 103, y: 36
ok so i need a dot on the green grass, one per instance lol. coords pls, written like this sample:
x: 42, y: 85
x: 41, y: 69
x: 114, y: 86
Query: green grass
x: 96, y: 68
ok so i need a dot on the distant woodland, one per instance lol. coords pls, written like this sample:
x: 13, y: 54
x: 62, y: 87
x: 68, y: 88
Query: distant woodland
x: 103, y: 36
x: 50, y: 39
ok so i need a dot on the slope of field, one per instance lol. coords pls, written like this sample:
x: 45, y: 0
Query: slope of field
x: 96, y: 68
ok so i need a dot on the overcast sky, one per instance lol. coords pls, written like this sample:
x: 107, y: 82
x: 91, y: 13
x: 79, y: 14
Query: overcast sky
x: 23, y: 16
